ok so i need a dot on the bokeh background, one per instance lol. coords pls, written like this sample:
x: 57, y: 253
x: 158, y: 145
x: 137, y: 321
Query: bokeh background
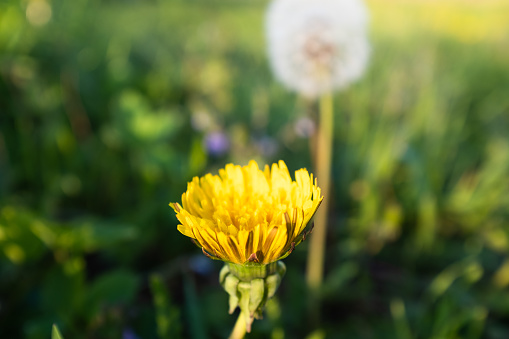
x: 108, y: 108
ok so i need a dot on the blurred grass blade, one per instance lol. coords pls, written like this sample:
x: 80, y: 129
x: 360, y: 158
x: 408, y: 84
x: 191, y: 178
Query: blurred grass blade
x: 400, y: 320
x: 193, y: 314
x: 55, y: 333
x: 167, y: 317
x: 317, y: 334
x: 427, y: 222
x: 469, y: 268
x: 449, y: 321
x: 478, y: 323
x: 501, y: 276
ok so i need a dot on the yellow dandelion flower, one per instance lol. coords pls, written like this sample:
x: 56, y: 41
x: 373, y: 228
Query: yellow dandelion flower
x: 248, y: 216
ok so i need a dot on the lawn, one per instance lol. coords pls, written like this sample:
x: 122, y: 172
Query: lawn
x: 108, y: 109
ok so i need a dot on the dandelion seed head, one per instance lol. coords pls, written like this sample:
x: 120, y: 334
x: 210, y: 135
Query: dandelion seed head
x: 316, y: 46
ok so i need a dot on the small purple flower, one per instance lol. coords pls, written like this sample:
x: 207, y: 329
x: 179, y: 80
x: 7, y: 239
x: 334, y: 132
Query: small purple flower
x: 128, y: 333
x: 201, y: 264
x: 216, y: 143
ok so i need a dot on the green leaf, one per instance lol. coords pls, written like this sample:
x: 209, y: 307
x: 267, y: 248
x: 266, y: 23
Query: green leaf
x: 88, y: 236
x: 114, y: 288
x: 55, y: 333
x: 61, y: 290
x: 18, y: 244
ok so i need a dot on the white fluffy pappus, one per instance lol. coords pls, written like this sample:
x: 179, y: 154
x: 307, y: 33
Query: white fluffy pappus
x: 317, y: 46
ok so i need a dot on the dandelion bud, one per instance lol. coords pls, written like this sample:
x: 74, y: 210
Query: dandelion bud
x: 250, y: 219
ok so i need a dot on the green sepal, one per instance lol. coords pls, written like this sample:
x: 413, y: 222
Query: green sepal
x: 223, y: 273
x: 257, y: 295
x: 244, y: 289
x: 249, y: 287
x: 230, y: 285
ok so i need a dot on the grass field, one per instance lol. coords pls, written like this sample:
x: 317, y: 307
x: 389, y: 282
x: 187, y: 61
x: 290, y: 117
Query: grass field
x: 102, y: 111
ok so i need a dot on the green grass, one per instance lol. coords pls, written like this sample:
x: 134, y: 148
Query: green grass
x: 96, y: 138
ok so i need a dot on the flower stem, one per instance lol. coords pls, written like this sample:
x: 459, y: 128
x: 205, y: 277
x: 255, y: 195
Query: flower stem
x: 316, y: 253
x: 239, y: 330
